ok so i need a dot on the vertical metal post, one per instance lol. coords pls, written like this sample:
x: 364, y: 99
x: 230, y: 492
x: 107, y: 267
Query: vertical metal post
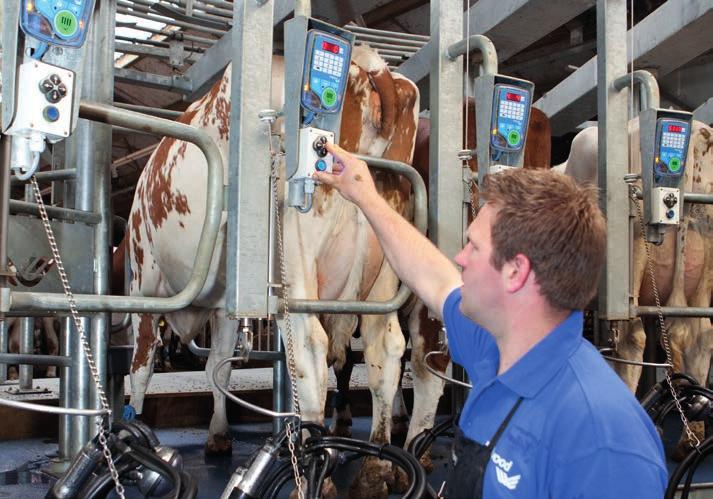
x: 249, y: 160
x: 4, y: 221
x: 612, y: 158
x: 445, y: 210
x: 445, y: 205
x: 27, y: 336
x: 3, y: 348
x: 66, y: 375
x: 98, y: 86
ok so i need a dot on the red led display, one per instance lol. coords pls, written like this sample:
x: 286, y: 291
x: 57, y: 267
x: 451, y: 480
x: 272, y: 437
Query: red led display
x: 675, y: 128
x: 330, y: 47
x: 513, y: 97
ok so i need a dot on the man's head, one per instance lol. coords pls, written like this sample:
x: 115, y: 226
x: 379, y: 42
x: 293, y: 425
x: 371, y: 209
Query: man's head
x: 535, y: 224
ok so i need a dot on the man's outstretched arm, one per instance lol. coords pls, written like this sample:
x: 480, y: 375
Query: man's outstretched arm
x: 413, y: 257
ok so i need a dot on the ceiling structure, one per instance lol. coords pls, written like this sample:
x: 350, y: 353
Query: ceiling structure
x: 550, y: 42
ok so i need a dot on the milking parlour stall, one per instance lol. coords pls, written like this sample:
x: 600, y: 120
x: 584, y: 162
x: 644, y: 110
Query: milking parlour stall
x: 193, y: 303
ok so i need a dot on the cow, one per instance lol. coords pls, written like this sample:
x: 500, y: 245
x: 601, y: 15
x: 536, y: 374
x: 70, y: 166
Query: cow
x: 330, y: 252
x: 424, y: 330
x: 682, y: 264
x: 45, y: 332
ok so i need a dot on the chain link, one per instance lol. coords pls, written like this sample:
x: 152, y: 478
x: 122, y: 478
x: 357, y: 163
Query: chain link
x: 292, y: 433
x: 83, y: 339
x: 662, y: 323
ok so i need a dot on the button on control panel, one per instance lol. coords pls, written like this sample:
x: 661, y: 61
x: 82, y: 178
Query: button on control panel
x: 313, y: 155
x: 44, y: 101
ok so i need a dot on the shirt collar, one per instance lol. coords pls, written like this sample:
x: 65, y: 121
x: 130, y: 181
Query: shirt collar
x: 532, y: 372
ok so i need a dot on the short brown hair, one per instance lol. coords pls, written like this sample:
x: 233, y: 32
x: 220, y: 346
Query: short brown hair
x: 557, y: 224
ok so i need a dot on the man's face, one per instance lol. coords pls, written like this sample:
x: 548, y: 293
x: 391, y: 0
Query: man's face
x: 482, y: 289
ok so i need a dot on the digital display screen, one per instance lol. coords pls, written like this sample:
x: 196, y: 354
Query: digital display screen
x: 513, y: 97
x: 330, y: 47
x: 675, y: 128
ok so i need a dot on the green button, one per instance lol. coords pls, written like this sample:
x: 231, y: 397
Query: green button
x: 675, y: 164
x: 329, y: 97
x: 66, y: 23
x: 513, y: 137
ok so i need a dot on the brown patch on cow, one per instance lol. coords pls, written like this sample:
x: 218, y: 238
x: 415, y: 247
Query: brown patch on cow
x: 181, y: 224
x: 357, y: 88
x: 146, y: 342
x: 182, y: 150
x: 428, y: 329
x: 181, y: 204
x: 385, y: 85
x: 187, y: 117
x: 136, y: 225
x: 222, y: 113
x: 160, y: 156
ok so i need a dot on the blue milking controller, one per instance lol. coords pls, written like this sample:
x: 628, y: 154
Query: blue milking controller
x: 671, y: 147
x: 57, y: 22
x: 510, y: 117
x: 326, y: 70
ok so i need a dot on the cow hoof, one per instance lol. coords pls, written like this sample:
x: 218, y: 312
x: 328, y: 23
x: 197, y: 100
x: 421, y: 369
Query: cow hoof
x: 219, y: 445
x: 399, y: 427
x: 372, y: 480
x: 329, y: 491
x: 427, y: 462
x: 342, y: 429
x: 401, y: 483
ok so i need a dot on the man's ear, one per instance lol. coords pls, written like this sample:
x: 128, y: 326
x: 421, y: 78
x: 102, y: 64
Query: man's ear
x: 516, y: 272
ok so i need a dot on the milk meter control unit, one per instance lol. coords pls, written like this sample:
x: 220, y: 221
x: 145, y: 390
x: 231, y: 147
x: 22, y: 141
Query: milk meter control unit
x: 326, y: 69
x: 665, y: 135
x: 672, y: 137
x: 57, y: 22
x: 510, y: 116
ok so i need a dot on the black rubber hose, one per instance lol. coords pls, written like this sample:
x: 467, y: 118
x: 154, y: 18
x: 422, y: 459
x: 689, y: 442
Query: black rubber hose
x: 688, y: 465
x: 407, y: 462
x: 425, y: 439
x: 189, y: 487
x: 101, y: 485
x: 150, y: 460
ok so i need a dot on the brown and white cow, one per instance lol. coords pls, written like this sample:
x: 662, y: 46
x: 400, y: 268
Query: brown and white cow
x: 682, y: 264
x: 331, y: 252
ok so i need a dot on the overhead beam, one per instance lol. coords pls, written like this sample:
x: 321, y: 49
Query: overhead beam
x: 669, y: 37
x: 512, y: 25
x: 210, y: 66
x: 704, y: 112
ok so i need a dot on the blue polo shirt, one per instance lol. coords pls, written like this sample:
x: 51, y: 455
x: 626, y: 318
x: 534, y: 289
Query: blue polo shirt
x: 578, y: 433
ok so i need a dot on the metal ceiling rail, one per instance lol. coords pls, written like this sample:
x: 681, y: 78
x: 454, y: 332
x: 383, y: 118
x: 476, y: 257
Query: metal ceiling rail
x: 202, y: 7
x: 148, y: 51
x: 358, y: 30
x: 156, y: 43
x: 161, y: 8
x: 126, y: 7
x: 173, y: 34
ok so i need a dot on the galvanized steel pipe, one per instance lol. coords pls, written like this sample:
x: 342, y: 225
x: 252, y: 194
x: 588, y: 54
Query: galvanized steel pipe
x: 650, y: 97
x: 483, y: 45
x: 209, y: 234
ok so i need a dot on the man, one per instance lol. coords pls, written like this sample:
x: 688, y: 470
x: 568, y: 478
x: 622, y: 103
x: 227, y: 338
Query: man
x: 546, y: 416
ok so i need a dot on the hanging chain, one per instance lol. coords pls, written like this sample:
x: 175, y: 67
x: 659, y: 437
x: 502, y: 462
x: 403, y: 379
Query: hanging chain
x: 292, y: 433
x: 662, y: 323
x: 83, y: 339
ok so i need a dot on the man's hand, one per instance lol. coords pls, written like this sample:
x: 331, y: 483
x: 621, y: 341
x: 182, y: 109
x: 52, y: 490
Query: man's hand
x: 350, y: 176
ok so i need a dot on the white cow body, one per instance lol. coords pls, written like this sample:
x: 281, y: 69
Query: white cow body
x: 330, y: 252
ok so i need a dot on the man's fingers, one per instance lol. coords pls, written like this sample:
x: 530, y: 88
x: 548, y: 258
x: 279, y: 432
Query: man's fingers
x: 335, y: 150
x: 325, y: 178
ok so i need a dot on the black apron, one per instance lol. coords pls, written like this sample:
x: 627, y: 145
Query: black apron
x: 469, y: 460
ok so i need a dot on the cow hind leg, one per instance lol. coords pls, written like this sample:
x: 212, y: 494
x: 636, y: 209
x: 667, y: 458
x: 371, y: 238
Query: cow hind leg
x: 145, y: 342
x: 222, y: 346
x: 630, y: 346
x: 52, y: 343
x: 384, y: 346
x: 342, y: 413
